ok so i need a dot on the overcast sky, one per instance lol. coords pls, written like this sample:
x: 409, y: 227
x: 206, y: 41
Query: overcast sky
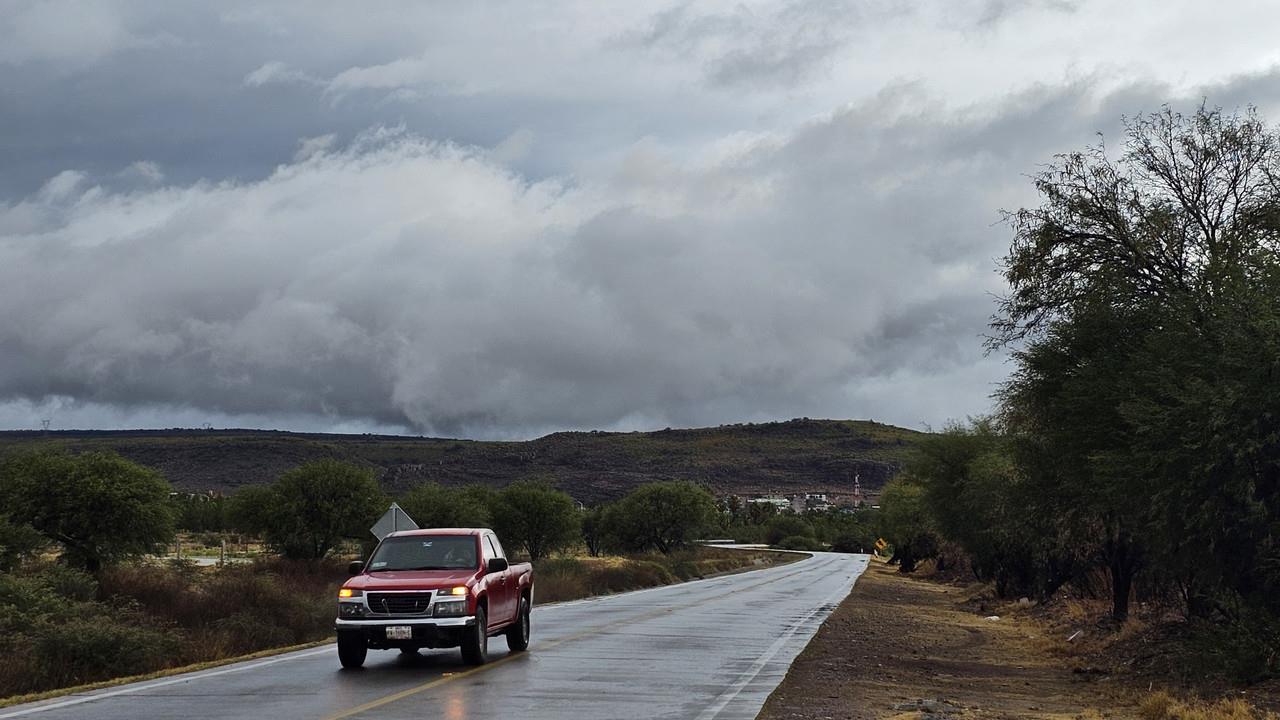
x: 505, y: 219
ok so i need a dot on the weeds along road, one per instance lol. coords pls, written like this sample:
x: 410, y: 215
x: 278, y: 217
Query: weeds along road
x: 700, y: 650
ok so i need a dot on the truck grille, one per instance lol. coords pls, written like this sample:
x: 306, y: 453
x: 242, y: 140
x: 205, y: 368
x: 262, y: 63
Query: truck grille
x: 398, y: 603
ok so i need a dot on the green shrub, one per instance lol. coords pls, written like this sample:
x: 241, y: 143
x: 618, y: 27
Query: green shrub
x: 850, y: 544
x: 247, y: 631
x: 82, y: 650
x: 685, y: 569
x: 799, y: 542
x: 632, y: 575
x: 69, y: 583
x: 1246, y: 649
x: 785, y: 526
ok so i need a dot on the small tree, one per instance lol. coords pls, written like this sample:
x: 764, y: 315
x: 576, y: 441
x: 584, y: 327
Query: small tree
x: 535, y: 516
x: 319, y: 503
x: 594, y: 530
x: 251, y: 509
x: 905, y: 522
x: 663, y: 516
x: 433, y: 505
x: 99, y: 507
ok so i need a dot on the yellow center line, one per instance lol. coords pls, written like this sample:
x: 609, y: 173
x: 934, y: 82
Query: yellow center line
x: 410, y: 692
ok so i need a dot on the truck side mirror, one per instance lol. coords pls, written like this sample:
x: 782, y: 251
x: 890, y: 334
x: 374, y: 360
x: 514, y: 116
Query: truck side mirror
x: 356, y: 567
x: 496, y: 565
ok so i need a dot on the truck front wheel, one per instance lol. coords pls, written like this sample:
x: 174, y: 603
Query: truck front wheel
x: 352, y: 649
x: 475, y: 646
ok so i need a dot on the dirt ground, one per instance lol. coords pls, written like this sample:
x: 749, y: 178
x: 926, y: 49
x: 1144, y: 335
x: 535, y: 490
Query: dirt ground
x: 910, y: 649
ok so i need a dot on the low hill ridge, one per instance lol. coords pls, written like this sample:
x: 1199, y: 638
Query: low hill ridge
x: 801, y: 455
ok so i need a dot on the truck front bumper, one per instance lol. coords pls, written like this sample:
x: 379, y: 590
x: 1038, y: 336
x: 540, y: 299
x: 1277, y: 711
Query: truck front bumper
x: 427, y: 632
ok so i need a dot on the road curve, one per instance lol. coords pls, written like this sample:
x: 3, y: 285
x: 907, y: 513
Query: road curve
x: 700, y: 650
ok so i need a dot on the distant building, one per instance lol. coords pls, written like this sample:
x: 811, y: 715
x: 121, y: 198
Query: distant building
x: 817, y: 502
x: 779, y: 503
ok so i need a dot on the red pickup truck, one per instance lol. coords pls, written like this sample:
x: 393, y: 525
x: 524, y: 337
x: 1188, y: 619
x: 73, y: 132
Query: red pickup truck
x: 436, y: 589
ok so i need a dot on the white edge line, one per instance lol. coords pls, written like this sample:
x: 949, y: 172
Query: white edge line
x: 185, y: 677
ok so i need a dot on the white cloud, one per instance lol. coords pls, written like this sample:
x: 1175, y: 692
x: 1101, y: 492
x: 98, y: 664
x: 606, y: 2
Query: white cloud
x: 143, y: 170
x: 310, y: 147
x: 277, y: 73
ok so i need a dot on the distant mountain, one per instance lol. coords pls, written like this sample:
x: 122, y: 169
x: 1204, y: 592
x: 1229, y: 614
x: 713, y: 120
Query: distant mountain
x: 785, y: 457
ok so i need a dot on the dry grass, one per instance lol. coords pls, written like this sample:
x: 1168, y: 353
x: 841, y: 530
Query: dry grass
x: 1163, y: 706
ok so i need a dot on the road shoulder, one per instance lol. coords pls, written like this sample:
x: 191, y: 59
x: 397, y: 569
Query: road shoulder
x: 904, y: 648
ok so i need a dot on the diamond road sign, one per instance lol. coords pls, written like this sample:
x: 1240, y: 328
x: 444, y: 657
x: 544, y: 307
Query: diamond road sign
x: 392, y: 520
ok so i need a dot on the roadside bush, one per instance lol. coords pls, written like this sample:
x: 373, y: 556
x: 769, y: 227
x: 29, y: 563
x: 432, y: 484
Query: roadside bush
x: 236, y: 609
x: 87, y: 649
x: 18, y: 541
x: 785, y: 526
x: 572, y: 578
x: 157, y: 589
x: 1246, y: 648
x: 246, y: 632
x: 686, y: 570
x: 70, y: 583
x: 851, y: 544
x: 631, y: 575
x: 799, y: 542
x: 747, y: 534
x: 24, y: 600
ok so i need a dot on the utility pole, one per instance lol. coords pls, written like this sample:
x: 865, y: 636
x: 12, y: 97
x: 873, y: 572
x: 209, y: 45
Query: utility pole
x: 44, y: 425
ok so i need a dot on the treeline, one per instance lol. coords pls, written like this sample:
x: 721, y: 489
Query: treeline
x: 309, y: 510
x: 1138, y: 438
x: 97, y: 509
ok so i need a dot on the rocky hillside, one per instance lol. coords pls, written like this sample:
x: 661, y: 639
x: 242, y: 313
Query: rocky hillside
x: 787, y: 457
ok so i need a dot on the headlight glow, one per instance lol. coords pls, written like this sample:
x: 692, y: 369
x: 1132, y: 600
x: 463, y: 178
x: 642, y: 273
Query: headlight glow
x: 349, y: 593
x: 458, y: 591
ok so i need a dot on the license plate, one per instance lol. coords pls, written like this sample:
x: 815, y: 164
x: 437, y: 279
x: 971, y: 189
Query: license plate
x: 399, y: 632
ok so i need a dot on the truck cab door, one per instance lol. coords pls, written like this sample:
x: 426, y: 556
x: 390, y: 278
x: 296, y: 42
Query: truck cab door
x: 502, y: 588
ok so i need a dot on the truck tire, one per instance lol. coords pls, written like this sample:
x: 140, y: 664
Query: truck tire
x: 475, y: 646
x: 352, y: 649
x: 518, y: 633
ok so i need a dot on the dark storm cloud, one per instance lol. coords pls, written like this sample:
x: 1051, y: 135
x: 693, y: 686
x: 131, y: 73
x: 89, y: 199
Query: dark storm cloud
x: 582, y: 218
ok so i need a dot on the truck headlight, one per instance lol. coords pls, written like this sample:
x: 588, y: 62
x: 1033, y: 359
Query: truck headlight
x: 350, y: 609
x: 451, y: 608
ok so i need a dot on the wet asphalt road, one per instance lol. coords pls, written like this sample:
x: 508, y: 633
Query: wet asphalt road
x: 706, y: 649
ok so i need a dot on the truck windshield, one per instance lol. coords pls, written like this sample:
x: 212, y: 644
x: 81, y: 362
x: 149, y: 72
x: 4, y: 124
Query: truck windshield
x: 425, y: 552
